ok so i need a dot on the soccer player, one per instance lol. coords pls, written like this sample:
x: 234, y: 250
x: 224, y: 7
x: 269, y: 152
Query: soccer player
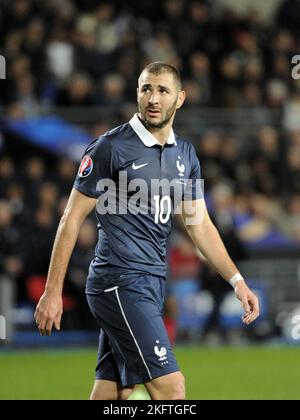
x: 126, y: 280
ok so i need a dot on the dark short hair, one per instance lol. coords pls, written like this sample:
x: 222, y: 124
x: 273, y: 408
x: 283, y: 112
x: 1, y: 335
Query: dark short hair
x: 158, y: 67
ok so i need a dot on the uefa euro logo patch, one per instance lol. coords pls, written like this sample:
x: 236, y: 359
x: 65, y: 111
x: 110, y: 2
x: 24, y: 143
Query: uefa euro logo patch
x: 86, y: 167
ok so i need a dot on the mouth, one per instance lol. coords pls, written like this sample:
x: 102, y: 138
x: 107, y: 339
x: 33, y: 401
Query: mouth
x: 153, y: 113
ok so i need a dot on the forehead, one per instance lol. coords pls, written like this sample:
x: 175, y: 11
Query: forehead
x: 162, y: 79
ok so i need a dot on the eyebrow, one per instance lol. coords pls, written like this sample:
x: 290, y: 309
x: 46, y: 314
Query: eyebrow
x: 147, y: 85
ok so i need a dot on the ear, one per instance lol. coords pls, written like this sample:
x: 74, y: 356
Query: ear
x: 181, y: 99
x: 137, y: 95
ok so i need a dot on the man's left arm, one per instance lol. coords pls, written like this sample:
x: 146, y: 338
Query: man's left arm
x: 207, y: 239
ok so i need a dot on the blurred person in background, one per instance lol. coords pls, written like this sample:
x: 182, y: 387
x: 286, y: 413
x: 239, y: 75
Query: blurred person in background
x: 223, y: 216
x: 64, y: 175
x: 7, y: 173
x: 11, y: 262
x: 261, y: 229
x: 78, y: 91
x: 76, y: 276
x: 34, y: 176
x: 39, y: 240
x: 112, y: 91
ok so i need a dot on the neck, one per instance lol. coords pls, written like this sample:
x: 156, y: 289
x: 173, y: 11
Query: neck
x: 161, y: 134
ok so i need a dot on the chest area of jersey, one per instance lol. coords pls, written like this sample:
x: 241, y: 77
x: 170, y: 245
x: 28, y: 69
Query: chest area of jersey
x: 155, y: 163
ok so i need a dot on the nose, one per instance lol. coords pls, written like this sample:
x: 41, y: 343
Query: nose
x: 153, y: 99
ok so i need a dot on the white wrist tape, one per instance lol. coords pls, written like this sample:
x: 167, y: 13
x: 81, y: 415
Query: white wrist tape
x: 234, y: 279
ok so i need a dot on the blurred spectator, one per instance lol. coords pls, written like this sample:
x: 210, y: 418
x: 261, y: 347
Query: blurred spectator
x: 112, y: 93
x: 160, y: 48
x: 183, y: 260
x: 16, y: 196
x: 33, y: 178
x: 47, y: 195
x: 39, y: 241
x: 11, y: 262
x: 13, y: 45
x: 33, y: 45
x: 266, y: 10
x: 292, y: 178
x: 127, y: 67
x: 83, y: 254
x: 231, y: 73
x: 210, y: 154
x: 277, y: 93
x: 60, y: 56
x: 26, y: 95
x: 262, y: 227
x: 230, y: 156
x: 291, y: 113
x: 7, y: 173
x: 76, y: 278
x: 289, y: 15
x: 106, y: 30
x: 266, y: 161
x: 194, y: 95
x: 77, y: 93
x: 200, y: 72
x: 65, y: 174
x: 224, y: 217
x: 62, y: 204
x: 89, y: 58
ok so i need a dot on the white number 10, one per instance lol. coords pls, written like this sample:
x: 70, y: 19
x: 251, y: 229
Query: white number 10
x: 159, y: 208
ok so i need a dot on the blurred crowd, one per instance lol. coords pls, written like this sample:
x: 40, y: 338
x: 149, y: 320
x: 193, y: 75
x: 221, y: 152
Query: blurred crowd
x: 83, y: 53
x: 75, y: 52
x: 89, y: 52
x: 33, y: 196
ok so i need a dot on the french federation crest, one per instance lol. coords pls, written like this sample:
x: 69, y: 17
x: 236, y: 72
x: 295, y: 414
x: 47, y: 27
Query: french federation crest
x: 160, y: 352
x: 86, y: 167
x: 180, y: 167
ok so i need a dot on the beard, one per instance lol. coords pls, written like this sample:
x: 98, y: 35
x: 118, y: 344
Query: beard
x: 166, y: 116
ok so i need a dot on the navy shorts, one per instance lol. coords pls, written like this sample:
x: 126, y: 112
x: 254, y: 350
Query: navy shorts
x: 134, y: 347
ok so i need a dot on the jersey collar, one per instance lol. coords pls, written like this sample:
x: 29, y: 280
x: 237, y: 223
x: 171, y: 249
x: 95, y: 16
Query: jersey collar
x: 147, y: 138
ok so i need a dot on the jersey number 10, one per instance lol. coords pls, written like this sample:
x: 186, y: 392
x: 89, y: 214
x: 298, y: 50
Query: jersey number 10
x: 163, y: 207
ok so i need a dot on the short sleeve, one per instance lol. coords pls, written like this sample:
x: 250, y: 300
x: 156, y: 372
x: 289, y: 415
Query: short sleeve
x: 194, y: 187
x: 96, y: 165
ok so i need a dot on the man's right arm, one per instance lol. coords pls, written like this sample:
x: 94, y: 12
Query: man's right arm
x: 49, y: 309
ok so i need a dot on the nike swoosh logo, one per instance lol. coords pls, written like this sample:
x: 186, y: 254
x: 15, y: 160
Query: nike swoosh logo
x: 135, y: 167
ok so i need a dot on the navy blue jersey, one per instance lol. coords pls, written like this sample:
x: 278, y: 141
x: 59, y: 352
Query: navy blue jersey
x: 130, y: 174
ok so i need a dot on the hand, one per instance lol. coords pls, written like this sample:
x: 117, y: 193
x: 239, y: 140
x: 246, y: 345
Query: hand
x: 249, y: 301
x: 48, y: 312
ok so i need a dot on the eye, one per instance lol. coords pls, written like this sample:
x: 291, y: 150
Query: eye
x: 145, y: 89
x: 163, y: 91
